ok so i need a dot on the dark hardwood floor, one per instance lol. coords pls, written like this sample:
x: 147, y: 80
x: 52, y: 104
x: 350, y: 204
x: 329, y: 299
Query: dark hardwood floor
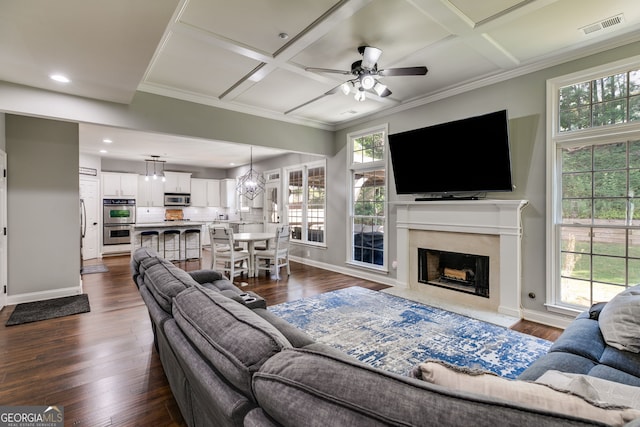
x: 101, y: 366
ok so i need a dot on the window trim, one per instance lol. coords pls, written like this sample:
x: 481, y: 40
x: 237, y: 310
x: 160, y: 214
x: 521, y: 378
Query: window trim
x: 305, y: 177
x: 555, y: 142
x: 350, y: 169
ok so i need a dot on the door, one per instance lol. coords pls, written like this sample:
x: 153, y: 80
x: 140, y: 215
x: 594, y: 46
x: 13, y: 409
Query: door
x: 90, y: 193
x: 272, y: 206
x: 3, y: 228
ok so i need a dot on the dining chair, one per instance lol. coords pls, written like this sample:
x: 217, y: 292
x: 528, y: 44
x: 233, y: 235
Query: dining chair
x: 223, y: 257
x: 277, y: 256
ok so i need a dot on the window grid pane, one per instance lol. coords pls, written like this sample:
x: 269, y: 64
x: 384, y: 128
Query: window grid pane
x: 599, y: 247
x: 369, y: 197
x: 605, y: 101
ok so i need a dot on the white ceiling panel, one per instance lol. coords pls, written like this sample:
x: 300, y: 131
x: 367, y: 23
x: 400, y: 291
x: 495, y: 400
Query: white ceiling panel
x: 556, y: 27
x: 105, y: 54
x: 197, y: 66
x: 478, y: 11
x: 282, y: 90
x: 255, y: 23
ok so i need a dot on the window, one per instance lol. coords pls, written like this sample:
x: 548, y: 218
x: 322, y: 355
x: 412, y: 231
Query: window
x: 594, y: 225
x: 367, y: 221
x: 306, y: 202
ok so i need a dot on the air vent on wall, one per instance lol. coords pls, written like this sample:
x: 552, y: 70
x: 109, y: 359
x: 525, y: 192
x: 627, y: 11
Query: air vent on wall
x: 605, y: 23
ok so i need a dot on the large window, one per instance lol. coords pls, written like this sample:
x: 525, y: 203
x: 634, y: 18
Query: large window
x: 367, y: 160
x: 594, y: 234
x: 306, y: 202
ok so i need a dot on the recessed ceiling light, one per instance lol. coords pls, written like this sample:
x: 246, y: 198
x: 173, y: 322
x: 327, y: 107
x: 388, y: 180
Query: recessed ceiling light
x: 103, y: 151
x: 107, y: 141
x: 59, y: 78
x: 232, y: 164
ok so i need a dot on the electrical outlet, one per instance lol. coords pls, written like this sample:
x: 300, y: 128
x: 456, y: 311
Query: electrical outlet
x: 308, y: 253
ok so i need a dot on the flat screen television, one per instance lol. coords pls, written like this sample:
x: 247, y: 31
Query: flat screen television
x: 463, y: 158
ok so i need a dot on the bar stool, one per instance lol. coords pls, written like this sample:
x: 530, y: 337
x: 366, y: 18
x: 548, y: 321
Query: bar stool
x: 173, y: 250
x: 192, y: 243
x: 146, y: 239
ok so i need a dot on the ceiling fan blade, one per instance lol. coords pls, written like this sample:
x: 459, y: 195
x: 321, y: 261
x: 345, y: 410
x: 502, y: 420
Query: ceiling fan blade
x: 327, y: 70
x: 408, y: 71
x: 385, y: 93
x: 334, y: 90
x: 370, y: 57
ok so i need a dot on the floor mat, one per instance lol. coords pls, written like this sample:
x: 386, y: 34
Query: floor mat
x: 49, y: 309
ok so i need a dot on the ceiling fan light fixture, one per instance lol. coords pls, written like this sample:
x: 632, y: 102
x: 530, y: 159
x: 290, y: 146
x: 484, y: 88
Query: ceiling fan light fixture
x: 379, y: 88
x: 367, y: 81
x: 345, y: 88
x: 360, y: 96
x: 370, y: 56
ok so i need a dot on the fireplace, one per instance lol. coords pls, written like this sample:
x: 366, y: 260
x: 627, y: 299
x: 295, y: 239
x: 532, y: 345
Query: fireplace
x: 489, y: 228
x: 460, y: 272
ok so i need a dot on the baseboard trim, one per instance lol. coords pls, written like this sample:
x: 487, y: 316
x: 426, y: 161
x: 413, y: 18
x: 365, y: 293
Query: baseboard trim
x: 43, y: 295
x: 549, y: 319
x: 353, y: 272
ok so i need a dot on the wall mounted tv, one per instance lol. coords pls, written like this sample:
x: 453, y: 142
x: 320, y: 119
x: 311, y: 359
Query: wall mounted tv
x: 463, y: 158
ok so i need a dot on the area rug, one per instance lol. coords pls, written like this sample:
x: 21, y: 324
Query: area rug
x: 49, y: 309
x: 90, y: 269
x: 395, y: 334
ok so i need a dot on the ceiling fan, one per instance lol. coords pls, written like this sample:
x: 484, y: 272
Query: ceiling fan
x: 366, y: 73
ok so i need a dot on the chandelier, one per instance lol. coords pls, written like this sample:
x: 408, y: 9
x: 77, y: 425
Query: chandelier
x: 154, y: 174
x: 251, y: 183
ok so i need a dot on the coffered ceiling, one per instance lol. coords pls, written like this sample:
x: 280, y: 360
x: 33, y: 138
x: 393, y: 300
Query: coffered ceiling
x: 251, y: 55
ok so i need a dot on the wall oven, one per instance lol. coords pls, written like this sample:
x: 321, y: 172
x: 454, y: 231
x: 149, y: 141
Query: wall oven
x: 118, y: 217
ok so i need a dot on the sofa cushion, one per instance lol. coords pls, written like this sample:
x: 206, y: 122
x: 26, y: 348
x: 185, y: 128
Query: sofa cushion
x: 620, y: 320
x: 234, y: 340
x: 301, y: 387
x: 582, y: 337
x: 539, y: 396
x: 164, y: 280
x: 565, y: 362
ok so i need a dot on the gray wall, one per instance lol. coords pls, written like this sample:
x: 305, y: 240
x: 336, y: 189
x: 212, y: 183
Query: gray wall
x: 43, y: 197
x: 525, y: 99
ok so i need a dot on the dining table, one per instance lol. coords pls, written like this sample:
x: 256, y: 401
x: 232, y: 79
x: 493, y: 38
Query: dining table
x: 251, y: 238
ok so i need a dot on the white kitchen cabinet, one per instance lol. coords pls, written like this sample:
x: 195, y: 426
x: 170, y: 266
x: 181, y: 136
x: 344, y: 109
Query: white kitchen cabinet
x: 205, y: 192
x: 177, y: 182
x: 150, y: 193
x: 228, y: 194
x: 119, y: 185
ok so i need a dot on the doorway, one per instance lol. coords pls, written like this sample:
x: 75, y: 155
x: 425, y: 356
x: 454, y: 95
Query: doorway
x: 272, y: 203
x: 3, y: 229
x: 90, y: 214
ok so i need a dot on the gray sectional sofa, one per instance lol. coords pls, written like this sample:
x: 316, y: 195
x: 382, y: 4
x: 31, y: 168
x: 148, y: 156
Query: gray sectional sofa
x: 231, y: 362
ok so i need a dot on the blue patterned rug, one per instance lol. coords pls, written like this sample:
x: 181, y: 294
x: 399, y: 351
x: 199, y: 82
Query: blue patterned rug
x: 395, y: 334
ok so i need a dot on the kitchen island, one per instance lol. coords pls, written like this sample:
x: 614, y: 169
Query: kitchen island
x: 178, y: 246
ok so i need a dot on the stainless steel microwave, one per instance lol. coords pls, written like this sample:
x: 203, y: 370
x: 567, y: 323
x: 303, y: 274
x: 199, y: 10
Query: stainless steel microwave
x: 177, y: 199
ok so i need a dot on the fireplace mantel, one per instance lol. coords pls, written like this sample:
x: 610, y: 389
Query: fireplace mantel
x: 490, y: 217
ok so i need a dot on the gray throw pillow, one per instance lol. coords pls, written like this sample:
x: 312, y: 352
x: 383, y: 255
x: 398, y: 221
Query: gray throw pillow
x: 619, y: 320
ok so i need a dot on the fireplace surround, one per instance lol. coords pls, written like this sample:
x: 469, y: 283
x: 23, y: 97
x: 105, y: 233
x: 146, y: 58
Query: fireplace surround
x: 483, y: 227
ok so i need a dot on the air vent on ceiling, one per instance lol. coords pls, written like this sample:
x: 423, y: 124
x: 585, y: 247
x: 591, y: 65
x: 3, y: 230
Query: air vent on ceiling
x: 605, y: 23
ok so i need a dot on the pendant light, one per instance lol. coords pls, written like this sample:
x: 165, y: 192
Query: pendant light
x: 155, y: 175
x: 251, y: 183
